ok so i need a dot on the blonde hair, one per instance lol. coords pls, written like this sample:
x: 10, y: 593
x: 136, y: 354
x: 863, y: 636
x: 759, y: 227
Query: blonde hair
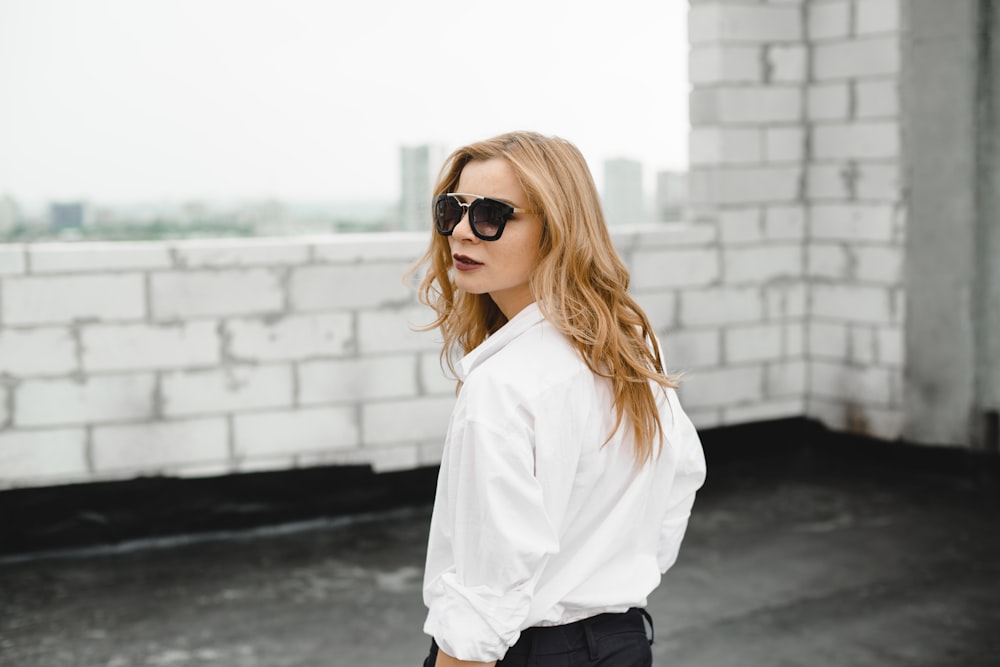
x: 580, y: 282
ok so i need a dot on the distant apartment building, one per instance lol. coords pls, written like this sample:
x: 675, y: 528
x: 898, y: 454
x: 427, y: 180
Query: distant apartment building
x: 671, y: 195
x: 68, y: 215
x: 623, y: 196
x: 418, y: 169
x: 10, y: 213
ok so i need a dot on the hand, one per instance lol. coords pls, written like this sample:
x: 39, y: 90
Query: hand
x: 445, y: 660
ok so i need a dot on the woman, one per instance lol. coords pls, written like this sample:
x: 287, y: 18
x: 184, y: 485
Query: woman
x: 569, y: 469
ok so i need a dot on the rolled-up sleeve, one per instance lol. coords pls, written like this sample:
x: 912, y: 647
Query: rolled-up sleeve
x: 501, y: 537
x: 689, y: 476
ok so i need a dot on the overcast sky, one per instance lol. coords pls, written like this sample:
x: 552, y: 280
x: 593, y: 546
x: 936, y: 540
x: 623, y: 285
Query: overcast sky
x: 119, y: 100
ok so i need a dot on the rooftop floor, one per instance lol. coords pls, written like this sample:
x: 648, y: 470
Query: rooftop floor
x: 803, y: 555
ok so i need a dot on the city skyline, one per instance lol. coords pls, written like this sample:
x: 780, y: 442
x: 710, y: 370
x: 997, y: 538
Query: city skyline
x: 163, y: 101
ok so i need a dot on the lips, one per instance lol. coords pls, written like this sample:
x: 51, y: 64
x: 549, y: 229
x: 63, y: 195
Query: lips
x: 465, y: 262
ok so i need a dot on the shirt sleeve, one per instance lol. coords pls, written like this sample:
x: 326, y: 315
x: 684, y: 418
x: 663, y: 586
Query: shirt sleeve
x: 501, y: 537
x: 689, y: 475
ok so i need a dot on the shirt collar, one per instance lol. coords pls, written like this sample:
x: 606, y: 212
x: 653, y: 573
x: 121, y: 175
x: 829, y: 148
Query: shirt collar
x: 529, y: 316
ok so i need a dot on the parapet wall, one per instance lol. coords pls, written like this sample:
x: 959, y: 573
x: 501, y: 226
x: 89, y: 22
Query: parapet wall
x: 194, y: 358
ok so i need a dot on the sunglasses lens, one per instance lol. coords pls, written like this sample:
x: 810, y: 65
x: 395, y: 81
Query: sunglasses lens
x: 447, y: 214
x: 488, y: 217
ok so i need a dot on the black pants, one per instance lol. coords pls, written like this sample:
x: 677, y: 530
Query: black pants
x: 606, y: 640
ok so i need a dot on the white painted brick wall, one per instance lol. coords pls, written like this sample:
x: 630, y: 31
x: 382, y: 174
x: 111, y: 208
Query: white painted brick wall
x: 876, y: 98
x: 13, y: 260
x: 787, y: 63
x: 746, y: 186
x: 100, y: 257
x: 37, y: 351
x: 175, y: 447
x: 412, y: 420
x: 725, y: 386
x: 295, y: 432
x: 372, y: 378
x: 859, y: 385
x: 725, y: 145
x: 828, y: 20
x: 760, y: 342
x: 394, y: 331
x: 60, y: 402
x: 741, y: 225
x: 291, y: 337
x: 856, y: 58
x: 42, y: 457
x: 876, y: 16
x: 746, y: 105
x: 148, y: 346
x: 862, y: 342
x: 784, y: 144
x: 857, y: 303
x: 891, y: 345
x: 856, y: 140
x: 725, y: 64
x: 786, y: 378
x: 828, y: 260
x: 675, y: 268
x: 762, y: 263
x: 784, y: 223
x: 828, y: 340
x: 349, y: 286
x: 48, y: 300
x: 728, y: 305
x: 828, y: 101
x: 879, y: 264
x: 191, y: 294
x: 784, y: 300
x: 241, y: 252
x: 852, y: 222
x: 763, y: 411
x: 692, y: 348
x: 229, y: 389
x: 433, y: 378
x: 743, y: 23
x: 660, y: 307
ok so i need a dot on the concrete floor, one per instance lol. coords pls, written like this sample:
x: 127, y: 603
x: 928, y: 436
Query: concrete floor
x: 823, y: 563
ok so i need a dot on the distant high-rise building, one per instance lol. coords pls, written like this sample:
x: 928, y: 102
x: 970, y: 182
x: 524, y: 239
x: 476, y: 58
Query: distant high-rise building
x: 10, y: 213
x: 671, y: 195
x: 623, y: 197
x: 418, y: 170
x: 66, y: 215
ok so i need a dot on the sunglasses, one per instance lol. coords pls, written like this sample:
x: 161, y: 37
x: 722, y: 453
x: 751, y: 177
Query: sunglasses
x: 487, y: 217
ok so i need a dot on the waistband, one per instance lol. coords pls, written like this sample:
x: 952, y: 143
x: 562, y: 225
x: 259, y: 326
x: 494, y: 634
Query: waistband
x: 547, y: 640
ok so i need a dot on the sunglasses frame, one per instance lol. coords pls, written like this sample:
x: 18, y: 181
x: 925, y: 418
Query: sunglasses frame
x: 467, y: 208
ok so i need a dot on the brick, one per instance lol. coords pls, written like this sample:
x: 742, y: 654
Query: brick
x: 229, y: 389
x: 204, y: 253
x: 795, y: 339
x: 746, y: 186
x: 393, y: 331
x: 692, y: 348
x: 862, y: 345
x: 660, y: 307
x: 745, y: 105
x: 891, y: 346
x: 97, y: 257
x: 786, y: 378
x: 784, y: 300
x: 852, y: 222
x: 719, y: 145
x: 358, y: 286
x: 724, y: 386
x: 829, y: 181
x: 759, y: 342
x: 375, y: 247
x: 37, y: 456
x: 828, y: 20
x: 357, y: 380
x: 741, y: 225
x: 743, y: 23
x: 703, y: 418
x: 45, y: 300
x: 828, y: 260
x: 160, y: 447
x: 787, y: 64
x: 764, y: 411
x: 878, y: 182
x: 414, y: 420
x: 784, y: 223
x: 673, y: 235
x: 37, y: 351
x: 879, y: 264
x: 728, y: 305
x: 828, y: 101
x: 884, y: 423
x: 876, y: 16
x: 294, y: 432
x: 675, y: 268
x: 856, y: 58
x: 13, y: 259
x: 784, y: 144
x: 856, y: 140
x: 215, y: 293
x: 291, y: 337
x: 858, y: 385
x: 433, y: 378
x: 762, y: 263
x: 725, y: 64
x: 63, y: 402
x: 401, y: 457
x: 149, y: 346
x: 4, y: 406
x: 828, y: 340
x: 876, y: 99
x: 855, y: 303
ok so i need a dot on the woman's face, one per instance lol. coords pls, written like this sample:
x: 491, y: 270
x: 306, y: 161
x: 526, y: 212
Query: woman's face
x: 499, y: 268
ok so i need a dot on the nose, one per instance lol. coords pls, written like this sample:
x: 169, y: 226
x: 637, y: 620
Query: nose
x: 463, y: 230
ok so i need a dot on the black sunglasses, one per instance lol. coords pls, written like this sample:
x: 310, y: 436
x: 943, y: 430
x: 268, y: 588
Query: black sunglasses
x: 487, y: 217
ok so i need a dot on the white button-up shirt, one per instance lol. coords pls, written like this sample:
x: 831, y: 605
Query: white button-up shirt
x: 536, y: 521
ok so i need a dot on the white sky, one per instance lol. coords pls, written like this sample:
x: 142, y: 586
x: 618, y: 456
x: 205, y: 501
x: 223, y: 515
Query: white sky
x: 120, y: 100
